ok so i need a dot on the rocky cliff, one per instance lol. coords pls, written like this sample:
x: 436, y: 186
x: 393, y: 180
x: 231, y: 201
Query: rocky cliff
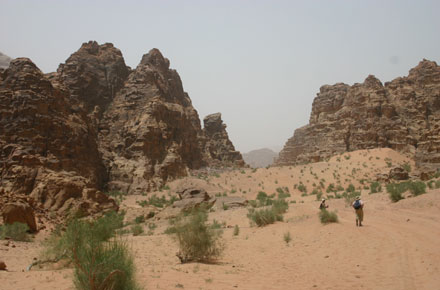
x: 48, y: 151
x: 219, y: 150
x: 403, y: 114
x: 96, y: 125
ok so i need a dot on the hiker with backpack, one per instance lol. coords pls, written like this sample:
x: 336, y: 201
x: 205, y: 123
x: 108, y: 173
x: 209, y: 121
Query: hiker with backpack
x: 323, y: 205
x: 358, y: 206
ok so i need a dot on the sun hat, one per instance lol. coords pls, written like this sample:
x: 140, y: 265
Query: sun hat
x: 358, y: 197
x: 323, y: 199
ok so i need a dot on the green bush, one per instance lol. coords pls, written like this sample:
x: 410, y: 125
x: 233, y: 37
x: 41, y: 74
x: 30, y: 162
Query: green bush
x: 139, y: 219
x: 103, y: 265
x: 197, y: 240
x: 407, y: 167
x: 287, y: 238
x: 351, y: 188
x: 61, y: 243
x: 236, y: 230
x: 100, y: 263
x: 270, y: 215
x: 375, y: 187
x: 395, y: 191
x: 302, y: 188
x: 326, y: 216
x: 156, y: 201
x: 265, y: 216
x: 137, y: 229
x: 417, y: 187
x: 17, y: 231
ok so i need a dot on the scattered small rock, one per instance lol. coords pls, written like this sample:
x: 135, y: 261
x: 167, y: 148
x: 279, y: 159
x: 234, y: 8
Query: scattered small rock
x: 2, y: 266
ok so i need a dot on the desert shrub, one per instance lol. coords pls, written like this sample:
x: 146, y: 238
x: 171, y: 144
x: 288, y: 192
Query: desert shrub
x: 351, y: 188
x: 287, y: 238
x: 268, y: 215
x: 283, y: 192
x: 431, y: 184
x: 375, y: 187
x: 137, y: 229
x: 302, y: 188
x: 17, y: 231
x: 197, y: 240
x: 417, y: 187
x: 139, y: 219
x: 407, y: 167
x: 330, y: 188
x: 103, y: 265
x: 280, y: 206
x: 156, y: 201
x: 236, y: 230
x: 262, y: 217
x: 437, y: 184
x: 395, y: 191
x: 105, y: 227
x: 61, y: 243
x: 326, y: 216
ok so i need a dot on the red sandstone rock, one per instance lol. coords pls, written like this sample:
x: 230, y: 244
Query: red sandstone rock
x: 403, y: 115
x: 19, y: 212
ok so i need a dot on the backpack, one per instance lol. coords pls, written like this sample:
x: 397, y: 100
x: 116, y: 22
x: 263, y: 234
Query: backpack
x: 357, y: 204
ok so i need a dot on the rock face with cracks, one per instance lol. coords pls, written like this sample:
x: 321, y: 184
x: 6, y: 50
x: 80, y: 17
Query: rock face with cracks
x: 96, y: 125
x: 403, y: 114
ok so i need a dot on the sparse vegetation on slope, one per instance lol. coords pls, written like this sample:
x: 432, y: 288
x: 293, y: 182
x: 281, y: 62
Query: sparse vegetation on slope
x: 197, y: 240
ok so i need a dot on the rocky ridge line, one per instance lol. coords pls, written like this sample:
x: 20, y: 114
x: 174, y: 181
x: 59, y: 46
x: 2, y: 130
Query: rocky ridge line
x: 403, y: 114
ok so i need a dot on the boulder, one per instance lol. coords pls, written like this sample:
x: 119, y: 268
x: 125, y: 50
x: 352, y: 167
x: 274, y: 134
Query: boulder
x: 193, y: 192
x: 19, y: 212
x: 2, y: 266
x: 230, y: 202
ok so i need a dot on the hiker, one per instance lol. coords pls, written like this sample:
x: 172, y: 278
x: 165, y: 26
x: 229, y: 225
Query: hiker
x: 358, y: 206
x: 323, y: 205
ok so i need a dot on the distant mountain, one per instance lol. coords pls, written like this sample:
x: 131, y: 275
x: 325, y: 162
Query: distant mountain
x: 4, y: 60
x: 260, y: 157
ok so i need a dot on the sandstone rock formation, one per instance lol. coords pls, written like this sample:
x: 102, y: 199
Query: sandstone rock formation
x: 19, y: 212
x: 48, y: 150
x: 218, y: 148
x: 4, y: 60
x: 260, y: 158
x: 150, y: 132
x: 403, y: 114
x: 96, y: 125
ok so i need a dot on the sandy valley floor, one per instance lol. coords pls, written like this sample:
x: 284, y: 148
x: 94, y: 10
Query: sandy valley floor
x: 398, y: 247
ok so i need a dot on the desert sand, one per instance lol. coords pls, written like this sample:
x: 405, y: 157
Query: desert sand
x: 397, y: 248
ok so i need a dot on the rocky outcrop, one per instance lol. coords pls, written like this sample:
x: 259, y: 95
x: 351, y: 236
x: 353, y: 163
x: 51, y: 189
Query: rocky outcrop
x: 260, y: 158
x: 150, y: 132
x: 4, y: 60
x: 19, y: 212
x: 46, y: 142
x: 93, y: 75
x: 96, y: 125
x: 403, y: 115
x: 219, y: 150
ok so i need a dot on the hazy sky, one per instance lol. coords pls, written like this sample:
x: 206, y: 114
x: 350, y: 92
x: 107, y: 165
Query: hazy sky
x: 259, y: 63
